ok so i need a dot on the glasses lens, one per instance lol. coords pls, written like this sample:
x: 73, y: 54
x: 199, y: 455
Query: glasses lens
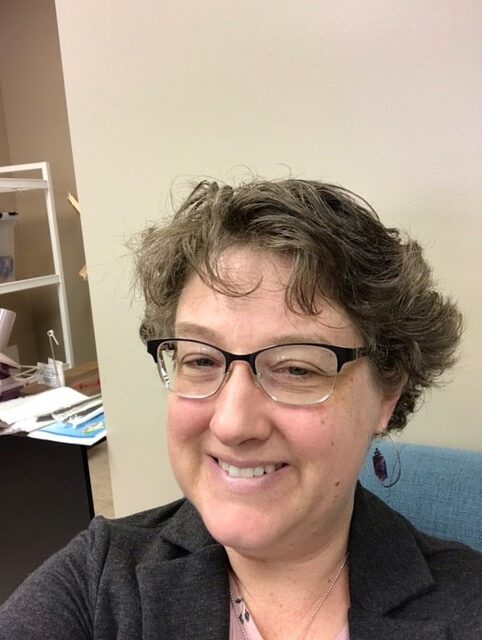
x: 191, y: 369
x: 297, y: 374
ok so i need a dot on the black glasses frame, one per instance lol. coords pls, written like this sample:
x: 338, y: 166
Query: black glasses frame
x: 343, y: 354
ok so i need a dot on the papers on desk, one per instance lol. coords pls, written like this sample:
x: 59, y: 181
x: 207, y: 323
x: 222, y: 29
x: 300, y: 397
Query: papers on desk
x: 61, y: 415
x: 21, y: 414
x: 88, y: 433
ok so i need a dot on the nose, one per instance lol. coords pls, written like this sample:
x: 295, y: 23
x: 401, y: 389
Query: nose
x: 241, y: 408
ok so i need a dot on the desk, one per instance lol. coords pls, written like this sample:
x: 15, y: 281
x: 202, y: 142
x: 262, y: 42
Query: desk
x: 45, y: 500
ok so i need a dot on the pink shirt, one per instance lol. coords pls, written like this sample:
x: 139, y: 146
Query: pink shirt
x: 242, y: 617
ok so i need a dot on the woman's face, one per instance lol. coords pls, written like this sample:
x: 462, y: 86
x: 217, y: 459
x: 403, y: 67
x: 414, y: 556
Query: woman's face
x: 321, y: 447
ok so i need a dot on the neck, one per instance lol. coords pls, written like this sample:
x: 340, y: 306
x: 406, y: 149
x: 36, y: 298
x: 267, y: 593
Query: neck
x: 304, y: 573
x: 281, y: 589
x: 303, y: 600
x: 296, y: 561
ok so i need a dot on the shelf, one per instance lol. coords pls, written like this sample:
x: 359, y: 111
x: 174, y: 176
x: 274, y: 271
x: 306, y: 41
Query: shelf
x: 42, y: 183
x: 9, y: 185
x: 29, y: 283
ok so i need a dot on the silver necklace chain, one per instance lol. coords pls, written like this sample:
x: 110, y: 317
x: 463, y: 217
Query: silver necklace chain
x: 316, y: 607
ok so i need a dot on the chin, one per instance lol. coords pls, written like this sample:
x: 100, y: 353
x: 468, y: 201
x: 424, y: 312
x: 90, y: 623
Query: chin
x: 242, y: 528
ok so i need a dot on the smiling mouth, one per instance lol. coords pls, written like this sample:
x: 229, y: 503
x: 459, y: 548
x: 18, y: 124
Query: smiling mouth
x: 249, y: 472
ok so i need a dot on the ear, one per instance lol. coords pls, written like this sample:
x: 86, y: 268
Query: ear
x: 387, y: 407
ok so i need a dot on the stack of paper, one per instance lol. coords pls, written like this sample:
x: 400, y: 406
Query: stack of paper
x: 62, y: 415
x: 87, y: 433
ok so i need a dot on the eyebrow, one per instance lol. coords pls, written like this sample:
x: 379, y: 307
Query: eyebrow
x: 192, y: 330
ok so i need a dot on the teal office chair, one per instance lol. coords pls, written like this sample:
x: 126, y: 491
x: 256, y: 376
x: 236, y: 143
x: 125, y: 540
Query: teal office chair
x: 439, y: 490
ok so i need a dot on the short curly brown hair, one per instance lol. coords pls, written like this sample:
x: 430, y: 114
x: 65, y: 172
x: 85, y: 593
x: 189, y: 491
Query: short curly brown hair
x: 339, y: 249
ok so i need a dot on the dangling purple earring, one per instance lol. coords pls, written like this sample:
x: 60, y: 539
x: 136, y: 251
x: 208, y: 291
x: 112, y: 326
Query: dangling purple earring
x: 379, y: 465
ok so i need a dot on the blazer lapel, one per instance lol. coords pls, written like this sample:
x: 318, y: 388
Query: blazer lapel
x: 186, y: 596
x: 387, y: 571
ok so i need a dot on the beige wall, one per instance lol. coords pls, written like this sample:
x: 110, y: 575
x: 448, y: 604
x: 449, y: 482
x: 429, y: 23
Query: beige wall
x: 382, y: 97
x: 4, y: 153
x: 36, y: 129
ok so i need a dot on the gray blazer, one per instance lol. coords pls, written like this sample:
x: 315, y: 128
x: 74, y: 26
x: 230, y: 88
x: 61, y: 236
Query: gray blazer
x: 159, y: 575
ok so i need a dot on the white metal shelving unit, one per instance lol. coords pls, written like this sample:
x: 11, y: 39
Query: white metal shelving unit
x: 44, y: 183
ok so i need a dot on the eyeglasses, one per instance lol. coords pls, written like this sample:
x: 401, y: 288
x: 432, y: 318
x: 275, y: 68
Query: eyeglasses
x: 295, y: 374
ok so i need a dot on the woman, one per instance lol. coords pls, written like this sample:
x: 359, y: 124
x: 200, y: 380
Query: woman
x: 290, y: 328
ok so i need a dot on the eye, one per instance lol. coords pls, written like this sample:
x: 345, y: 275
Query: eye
x: 194, y: 362
x: 299, y: 370
x: 199, y: 362
x: 298, y: 363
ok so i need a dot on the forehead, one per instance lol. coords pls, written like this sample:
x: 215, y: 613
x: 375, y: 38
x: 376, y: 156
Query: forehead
x: 258, y: 313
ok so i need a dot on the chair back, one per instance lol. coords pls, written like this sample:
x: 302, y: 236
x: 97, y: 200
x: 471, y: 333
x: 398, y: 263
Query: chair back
x: 439, y: 490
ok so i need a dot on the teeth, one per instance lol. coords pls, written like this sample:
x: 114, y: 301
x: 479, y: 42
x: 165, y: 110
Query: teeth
x: 247, y: 472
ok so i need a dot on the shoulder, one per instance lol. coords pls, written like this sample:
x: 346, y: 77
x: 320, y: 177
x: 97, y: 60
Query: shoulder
x: 440, y: 554
x: 410, y: 576
x: 136, y: 534
x: 94, y: 581
x: 453, y: 563
x: 456, y: 596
